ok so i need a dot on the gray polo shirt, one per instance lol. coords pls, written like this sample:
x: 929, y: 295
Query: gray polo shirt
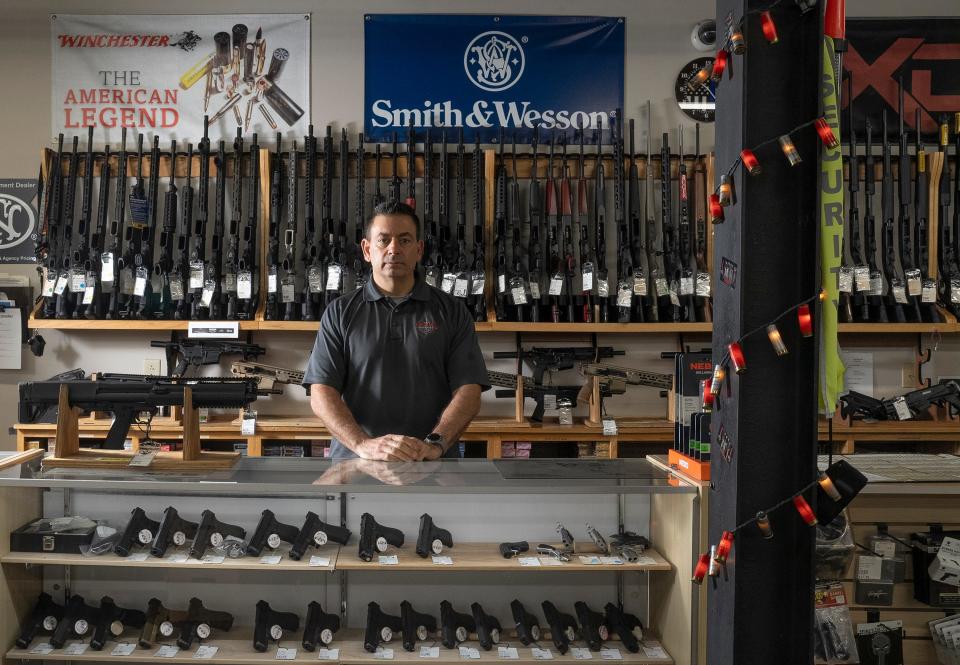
x: 396, y: 365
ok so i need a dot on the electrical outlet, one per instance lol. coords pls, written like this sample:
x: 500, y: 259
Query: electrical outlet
x: 151, y: 366
x: 908, y: 376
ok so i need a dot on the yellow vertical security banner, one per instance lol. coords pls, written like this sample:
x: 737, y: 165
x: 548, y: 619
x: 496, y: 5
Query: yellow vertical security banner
x: 831, y: 368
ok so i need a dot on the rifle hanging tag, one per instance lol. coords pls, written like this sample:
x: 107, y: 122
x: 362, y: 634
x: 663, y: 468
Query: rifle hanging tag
x: 639, y: 282
x: 209, y: 286
x: 248, y: 423
x: 517, y: 291
x: 914, y: 283
x: 196, y: 275
x: 703, y: 284
x: 334, y: 271
x: 287, y: 289
x: 140, y: 285
x: 861, y: 278
x: 49, y: 284
x: 106, y: 267
x: 78, y: 280
x: 461, y: 285
x: 624, y: 293
x: 176, y: 288
x: 244, y: 285
x: 929, y: 291
x: 477, y: 280
x: 315, y: 279
x: 846, y: 279
x: 686, y: 282
x: 587, y: 277
x: 90, y: 286
x: 556, y: 284
x: 272, y: 280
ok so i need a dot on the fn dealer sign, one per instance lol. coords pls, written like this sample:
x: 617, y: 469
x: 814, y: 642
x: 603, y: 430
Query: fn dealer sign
x: 18, y: 220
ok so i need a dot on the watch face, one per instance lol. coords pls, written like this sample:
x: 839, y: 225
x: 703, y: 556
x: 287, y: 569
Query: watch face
x: 699, y: 104
x: 434, y: 439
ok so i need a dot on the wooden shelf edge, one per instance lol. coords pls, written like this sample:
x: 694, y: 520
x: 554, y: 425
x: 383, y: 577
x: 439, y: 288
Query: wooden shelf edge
x: 100, y: 324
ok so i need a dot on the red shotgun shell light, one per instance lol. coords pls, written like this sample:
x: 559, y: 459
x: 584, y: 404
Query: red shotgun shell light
x: 716, y: 210
x: 720, y: 64
x: 737, y: 358
x: 805, y: 320
x: 702, y: 568
x: 806, y: 512
x: 708, y: 397
x: 825, y: 131
x: 769, y: 27
x: 723, y: 549
x: 750, y: 161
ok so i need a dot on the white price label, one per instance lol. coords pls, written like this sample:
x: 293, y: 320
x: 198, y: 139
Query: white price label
x: 519, y: 295
x: 535, y: 290
x: 177, y: 557
x: 654, y: 651
x: 319, y: 561
x: 328, y: 654
x: 272, y: 283
x: 245, y: 285
x: 900, y: 294
x: 78, y: 281
x: 106, y: 267
x: 142, y: 458
x: 139, y: 286
x: 530, y: 561
x: 846, y: 279
x: 123, y: 649
x: 333, y: 277
x: 248, y: 424
x: 447, y: 284
x: 550, y: 561
x: 603, y: 287
x: 75, y: 649
x: 287, y: 292
x: 876, y: 284
x: 508, y: 653
x: 611, y: 560
x: 271, y: 559
x: 429, y: 652
x: 903, y: 411
x: 914, y: 284
x: 176, y: 289
x: 861, y: 278
x: 196, y: 275
x: 609, y: 427
x: 885, y: 548
x: 541, y: 654
x: 556, y: 285
x: 501, y: 283
x: 587, y: 281
x: 624, y: 295
x: 48, y: 285
x: 88, y: 293
x: 206, y: 297
x: 166, y: 651
x: 869, y: 568
x: 579, y: 653
x: 460, y: 287
x: 469, y: 653
x: 443, y: 560
x: 686, y: 286
x: 61, y: 285
x: 639, y: 286
x: 610, y: 654
x: 42, y: 649
x: 590, y: 560
x: 286, y: 654
x: 212, y: 558
x: 476, y: 287
x: 388, y: 560
x: 663, y: 289
x: 929, y: 292
x: 703, y: 284
x: 383, y: 654
x: 315, y: 279
x: 205, y: 652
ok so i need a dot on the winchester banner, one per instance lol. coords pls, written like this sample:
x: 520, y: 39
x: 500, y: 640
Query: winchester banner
x: 484, y: 73
x: 161, y: 74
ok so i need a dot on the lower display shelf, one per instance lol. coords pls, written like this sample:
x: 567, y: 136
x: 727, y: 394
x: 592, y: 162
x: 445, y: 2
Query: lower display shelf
x: 348, y: 649
x: 463, y: 557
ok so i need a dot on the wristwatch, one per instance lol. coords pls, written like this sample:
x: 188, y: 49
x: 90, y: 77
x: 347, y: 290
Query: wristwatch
x: 434, y: 439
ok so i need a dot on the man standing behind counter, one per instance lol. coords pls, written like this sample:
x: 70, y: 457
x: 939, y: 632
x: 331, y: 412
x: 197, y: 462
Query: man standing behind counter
x: 396, y: 369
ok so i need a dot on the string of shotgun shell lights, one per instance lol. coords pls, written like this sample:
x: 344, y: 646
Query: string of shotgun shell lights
x: 709, y: 563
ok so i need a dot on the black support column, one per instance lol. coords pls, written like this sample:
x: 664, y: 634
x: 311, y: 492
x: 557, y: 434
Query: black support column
x: 760, y: 605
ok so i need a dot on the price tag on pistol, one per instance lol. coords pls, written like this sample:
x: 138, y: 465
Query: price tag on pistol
x: 106, y: 267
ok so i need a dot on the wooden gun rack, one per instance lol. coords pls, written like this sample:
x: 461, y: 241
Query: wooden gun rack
x: 69, y: 454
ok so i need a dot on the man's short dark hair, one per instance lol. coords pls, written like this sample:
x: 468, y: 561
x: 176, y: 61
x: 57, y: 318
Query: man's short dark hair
x: 393, y: 209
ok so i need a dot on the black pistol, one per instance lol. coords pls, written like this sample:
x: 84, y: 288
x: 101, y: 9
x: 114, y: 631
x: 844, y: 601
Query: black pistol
x: 317, y: 532
x: 488, y: 627
x: 627, y: 627
x: 432, y: 539
x: 212, y: 532
x: 527, y: 625
x: 200, y: 621
x: 111, y: 621
x: 454, y: 626
x: 380, y: 627
x: 377, y: 537
x: 416, y: 626
x: 78, y: 619
x: 159, y: 622
x: 140, y: 530
x: 46, y: 616
x: 593, y: 627
x: 270, y: 624
x: 270, y: 533
x: 174, y: 530
x: 563, y: 627
x: 510, y: 550
x: 319, y: 627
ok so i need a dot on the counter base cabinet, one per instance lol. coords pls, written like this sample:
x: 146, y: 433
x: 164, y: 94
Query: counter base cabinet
x: 480, y: 503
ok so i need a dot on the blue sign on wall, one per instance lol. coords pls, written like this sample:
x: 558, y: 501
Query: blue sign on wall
x: 484, y: 73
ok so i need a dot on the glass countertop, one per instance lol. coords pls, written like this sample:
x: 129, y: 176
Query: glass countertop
x: 278, y: 476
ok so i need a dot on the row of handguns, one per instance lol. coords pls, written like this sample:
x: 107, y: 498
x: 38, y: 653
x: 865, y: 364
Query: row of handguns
x: 108, y: 621
x: 896, y: 284
x: 103, y: 264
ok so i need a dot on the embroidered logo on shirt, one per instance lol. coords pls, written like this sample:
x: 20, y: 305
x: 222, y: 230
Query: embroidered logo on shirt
x: 427, y: 327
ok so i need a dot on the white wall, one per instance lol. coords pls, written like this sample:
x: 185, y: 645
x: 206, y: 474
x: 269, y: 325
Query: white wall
x: 657, y: 46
